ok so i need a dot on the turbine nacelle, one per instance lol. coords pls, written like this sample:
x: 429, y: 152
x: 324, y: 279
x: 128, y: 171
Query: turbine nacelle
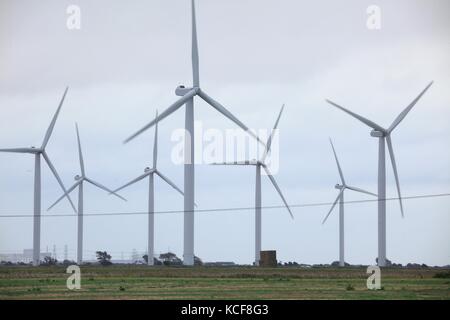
x: 147, y: 170
x: 35, y: 150
x: 181, y: 90
x: 339, y: 186
x: 77, y: 177
x: 378, y: 134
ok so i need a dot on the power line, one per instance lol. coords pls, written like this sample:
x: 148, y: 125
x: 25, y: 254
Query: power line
x: 305, y: 205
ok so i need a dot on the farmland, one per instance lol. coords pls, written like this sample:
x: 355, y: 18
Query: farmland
x: 141, y: 282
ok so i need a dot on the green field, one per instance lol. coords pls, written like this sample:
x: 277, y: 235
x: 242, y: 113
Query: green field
x: 141, y: 282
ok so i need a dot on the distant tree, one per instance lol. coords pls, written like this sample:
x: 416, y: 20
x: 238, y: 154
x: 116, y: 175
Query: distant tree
x: 168, y: 256
x: 156, y: 262
x: 197, y: 261
x: 388, y: 262
x: 338, y: 264
x: 170, y: 259
x: 49, y: 261
x: 68, y: 262
x: 103, y: 258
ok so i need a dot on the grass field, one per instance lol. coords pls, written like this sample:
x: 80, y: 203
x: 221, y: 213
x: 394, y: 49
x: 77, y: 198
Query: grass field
x: 141, y: 282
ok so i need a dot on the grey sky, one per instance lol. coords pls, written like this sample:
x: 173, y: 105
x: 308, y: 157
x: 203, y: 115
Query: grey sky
x: 126, y: 61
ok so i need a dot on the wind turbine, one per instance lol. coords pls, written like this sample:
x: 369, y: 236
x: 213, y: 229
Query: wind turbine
x: 187, y: 98
x: 384, y: 136
x: 258, y: 165
x: 151, y: 195
x: 80, y: 179
x: 38, y: 152
x: 342, y: 187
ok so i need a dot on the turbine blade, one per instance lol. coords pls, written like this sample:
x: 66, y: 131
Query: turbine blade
x: 361, y: 190
x: 155, y: 144
x: 195, y: 58
x: 337, y: 162
x: 19, y: 150
x: 64, y: 195
x: 272, y: 179
x: 405, y: 112
x: 269, y: 141
x: 52, y: 124
x: 216, y: 105
x: 175, y: 106
x: 169, y: 182
x: 371, y: 124
x: 134, y: 181
x: 55, y: 173
x: 394, y: 168
x: 80, y: 153
x: 332, y: 207
x: 100, y: 186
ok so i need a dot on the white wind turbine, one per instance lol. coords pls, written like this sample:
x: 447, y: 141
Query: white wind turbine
x: 384, y: 136
x: 151, y: 195
x: 342, y: 187
x: 187, y: 98
x: 38, y: 152
x: 258, y: 165
x: 80, y: 179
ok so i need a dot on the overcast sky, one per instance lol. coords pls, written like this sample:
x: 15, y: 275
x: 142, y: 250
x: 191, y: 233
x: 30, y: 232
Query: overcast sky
x: 126, y: 61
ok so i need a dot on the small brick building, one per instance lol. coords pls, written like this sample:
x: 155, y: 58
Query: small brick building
x: 268, y: 259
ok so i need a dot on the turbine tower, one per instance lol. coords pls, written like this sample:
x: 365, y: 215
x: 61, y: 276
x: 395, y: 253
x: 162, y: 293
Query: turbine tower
x: 38, y: 152
x: 384, y: 137
x: 151, y: 195
x: 261, y: 164
x: 80, y: 179
x: 187, y: 98
x: 342, y: 187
